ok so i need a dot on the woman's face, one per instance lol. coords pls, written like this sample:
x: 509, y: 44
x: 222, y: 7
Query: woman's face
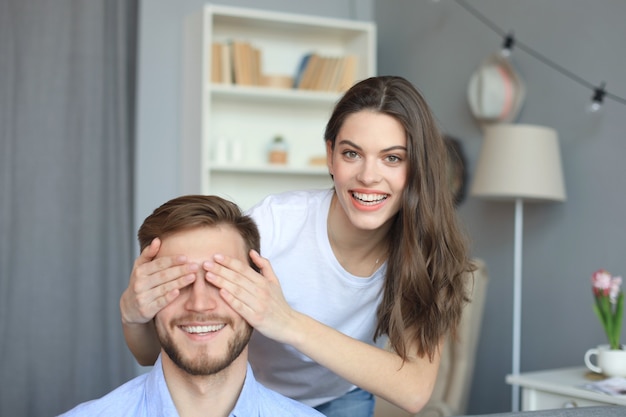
x: 369, y: 167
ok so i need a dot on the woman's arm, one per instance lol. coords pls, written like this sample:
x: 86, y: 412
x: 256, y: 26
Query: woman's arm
x: 259, y: 299
x: 142, y: 342
x: 407, y: 385
x: 154, y: 283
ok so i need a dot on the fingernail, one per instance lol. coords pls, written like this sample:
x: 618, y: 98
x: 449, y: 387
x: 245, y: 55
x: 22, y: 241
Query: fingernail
x: 218, y: 257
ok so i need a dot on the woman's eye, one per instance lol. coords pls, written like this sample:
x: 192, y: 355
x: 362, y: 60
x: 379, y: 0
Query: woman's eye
x: 393, y: 158
x: 350, y: 154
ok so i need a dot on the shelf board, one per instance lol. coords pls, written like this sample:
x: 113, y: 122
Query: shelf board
x: 270, y: 169
x: 269, y: 93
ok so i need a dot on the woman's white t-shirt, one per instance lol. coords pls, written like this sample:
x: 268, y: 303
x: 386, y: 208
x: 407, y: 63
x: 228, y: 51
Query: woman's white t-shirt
x: 294, y: 238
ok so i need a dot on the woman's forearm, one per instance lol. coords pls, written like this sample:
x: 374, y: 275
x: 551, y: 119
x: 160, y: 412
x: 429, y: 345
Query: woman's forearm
x: 407, y: 385
x: 142, y: 342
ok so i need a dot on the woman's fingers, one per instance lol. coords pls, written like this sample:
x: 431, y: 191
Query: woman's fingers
x: 257, y: 298
x: 160, y: 273
x: 154, y: 283
x: 264, y: 265
x: 153, y: 292
x: 236, y: 278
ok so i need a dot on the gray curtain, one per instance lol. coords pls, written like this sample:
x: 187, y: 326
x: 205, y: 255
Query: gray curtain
x: 66, y: 241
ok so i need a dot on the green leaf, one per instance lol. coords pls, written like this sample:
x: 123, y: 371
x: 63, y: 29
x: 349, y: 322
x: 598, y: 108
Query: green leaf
x: 618, y: 316
x: 602, y: 321
x: 603, y: 309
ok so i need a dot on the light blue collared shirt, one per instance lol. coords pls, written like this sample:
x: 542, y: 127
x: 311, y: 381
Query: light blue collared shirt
x: 147, y: 396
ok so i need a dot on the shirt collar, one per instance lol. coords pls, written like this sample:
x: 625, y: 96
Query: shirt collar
x: 247, y: 403
x: 161, y: 403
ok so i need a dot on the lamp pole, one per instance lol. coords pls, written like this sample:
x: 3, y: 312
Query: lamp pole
x: 519, y: 163
x: 517, y: 300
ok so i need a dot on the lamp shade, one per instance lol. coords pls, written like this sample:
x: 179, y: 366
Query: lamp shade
x: 519, y: 161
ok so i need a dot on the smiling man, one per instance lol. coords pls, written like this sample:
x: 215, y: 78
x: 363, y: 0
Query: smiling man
x: 202, y: 367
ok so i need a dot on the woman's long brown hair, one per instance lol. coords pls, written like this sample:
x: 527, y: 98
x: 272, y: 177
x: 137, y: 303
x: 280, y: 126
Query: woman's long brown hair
x: 426, y: 284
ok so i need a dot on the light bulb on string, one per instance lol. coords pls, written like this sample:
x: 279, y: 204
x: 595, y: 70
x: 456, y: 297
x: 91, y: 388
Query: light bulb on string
x: 507, y: 45
x: 597, y: 99
x: 599, y: 93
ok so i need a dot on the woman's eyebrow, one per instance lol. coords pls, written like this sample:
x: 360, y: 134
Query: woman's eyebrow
x: 354, y: 145
x: 349, y: 143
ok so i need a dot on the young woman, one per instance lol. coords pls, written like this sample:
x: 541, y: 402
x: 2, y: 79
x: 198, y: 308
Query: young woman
x: 377, y: 260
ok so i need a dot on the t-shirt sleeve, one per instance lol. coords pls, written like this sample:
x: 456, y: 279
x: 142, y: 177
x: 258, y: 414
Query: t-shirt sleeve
x: 263, y: 215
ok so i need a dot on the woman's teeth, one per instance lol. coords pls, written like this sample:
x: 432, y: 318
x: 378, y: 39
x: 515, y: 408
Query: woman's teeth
x: 369, y: 198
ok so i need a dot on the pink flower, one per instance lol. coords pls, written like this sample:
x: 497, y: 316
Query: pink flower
x: 609, y: 304
x: 601, y: 282
x: 616, y: 283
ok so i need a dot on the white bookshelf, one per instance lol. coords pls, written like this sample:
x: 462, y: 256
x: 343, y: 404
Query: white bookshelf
x: 250, y: 116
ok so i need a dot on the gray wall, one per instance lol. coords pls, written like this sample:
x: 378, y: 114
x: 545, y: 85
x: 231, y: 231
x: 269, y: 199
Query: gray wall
x: 438, y: 45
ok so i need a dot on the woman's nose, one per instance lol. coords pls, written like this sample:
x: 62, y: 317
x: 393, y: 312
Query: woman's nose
x: 369, y: 173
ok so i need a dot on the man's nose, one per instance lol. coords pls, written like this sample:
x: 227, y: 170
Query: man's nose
x: 203, y: 295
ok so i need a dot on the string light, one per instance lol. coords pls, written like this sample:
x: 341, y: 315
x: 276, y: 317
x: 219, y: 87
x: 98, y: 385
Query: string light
x: 507, y: 45
x: 597, y: 99
x: 599, y: 93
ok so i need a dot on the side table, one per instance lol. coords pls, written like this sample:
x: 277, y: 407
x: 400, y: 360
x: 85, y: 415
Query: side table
x: 559, y: 388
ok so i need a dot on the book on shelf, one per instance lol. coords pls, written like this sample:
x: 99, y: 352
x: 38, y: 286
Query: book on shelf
x: 347, y: 77
x: 238, y: 62
x: 255, y: 65
x: 235, y: 62
x: 336, y: 73
x: 221, y: 68
x: 324, y: 82
x: 326, y: 73
x: 241, y: 62
x: 216, y: 63
x: 227, y: 64
x: 308, y: 72
x: 297, y: 79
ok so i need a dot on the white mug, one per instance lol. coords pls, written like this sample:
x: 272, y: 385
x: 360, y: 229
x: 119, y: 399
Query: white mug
x: 608, y: 361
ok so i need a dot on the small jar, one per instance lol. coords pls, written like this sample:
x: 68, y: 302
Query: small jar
x: 278, y: 151
x: 220, y: 151
x: 236, y: 151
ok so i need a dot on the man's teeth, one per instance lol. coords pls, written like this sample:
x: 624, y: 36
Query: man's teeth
x: 369, y: 198
x: 203, y: 329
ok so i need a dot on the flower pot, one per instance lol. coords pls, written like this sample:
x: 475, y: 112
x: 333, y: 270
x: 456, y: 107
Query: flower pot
x: 610, y: 362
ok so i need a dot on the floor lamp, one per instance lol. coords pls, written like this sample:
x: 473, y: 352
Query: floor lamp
x: 519, y: 163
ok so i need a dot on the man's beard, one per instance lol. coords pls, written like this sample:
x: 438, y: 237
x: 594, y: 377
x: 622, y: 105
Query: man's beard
x: 202, y: 363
